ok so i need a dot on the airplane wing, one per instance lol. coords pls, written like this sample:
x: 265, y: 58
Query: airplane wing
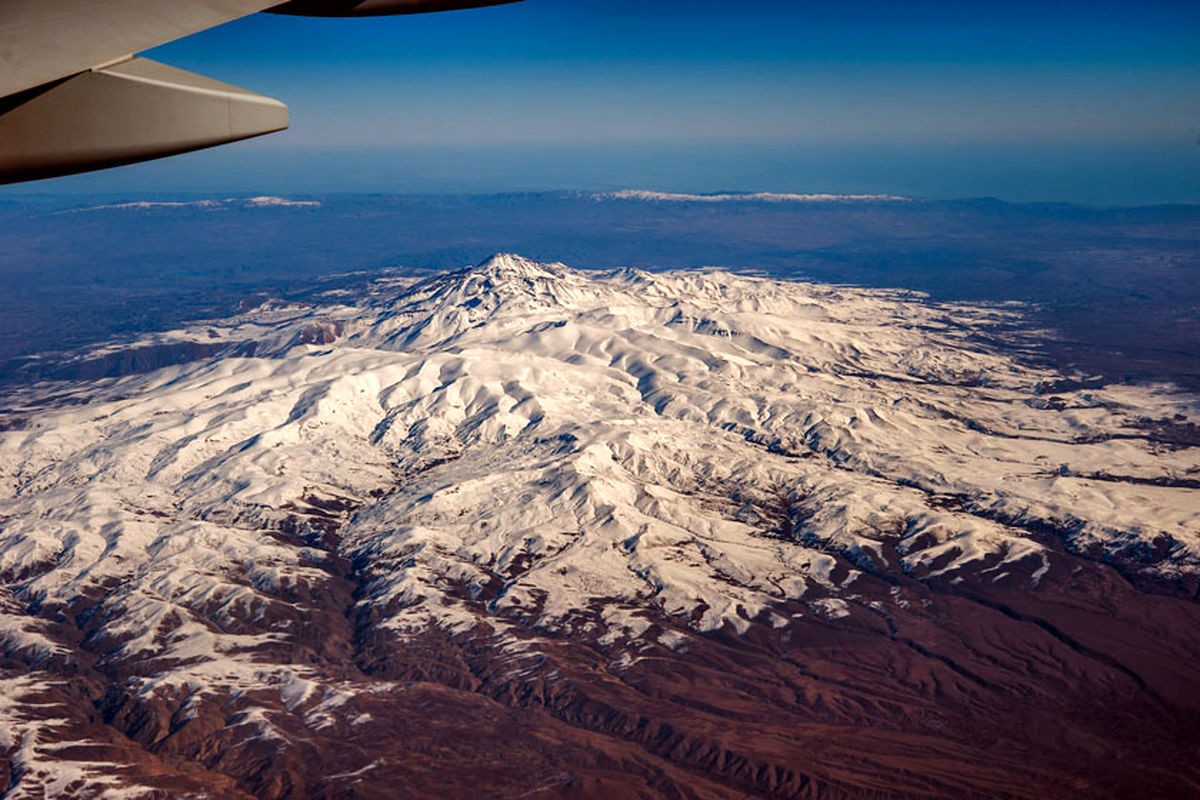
x: 73, y: 97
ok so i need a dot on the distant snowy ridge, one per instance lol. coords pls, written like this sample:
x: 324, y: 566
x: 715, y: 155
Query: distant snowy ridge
x: 263, y: 201
x: 282, y: 202
x: 749, y: 197
x: 142, y: 205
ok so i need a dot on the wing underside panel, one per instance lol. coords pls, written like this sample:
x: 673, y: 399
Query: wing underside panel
x: 44, y: 40
x: 73, y: 98
x: 132, y: 111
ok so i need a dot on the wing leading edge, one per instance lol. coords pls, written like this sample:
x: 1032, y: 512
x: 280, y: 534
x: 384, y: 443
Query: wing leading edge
x: 73, y: 99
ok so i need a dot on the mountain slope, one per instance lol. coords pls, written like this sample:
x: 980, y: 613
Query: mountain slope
x: 621, y: 534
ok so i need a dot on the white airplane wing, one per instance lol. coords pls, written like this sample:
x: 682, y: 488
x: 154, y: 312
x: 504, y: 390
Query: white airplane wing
x: 74, y: 98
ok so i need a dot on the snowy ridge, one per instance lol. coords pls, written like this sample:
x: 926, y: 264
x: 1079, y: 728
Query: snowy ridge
x: 263, y: 201
x: 587, y: 453
x: 749, y: 197
x: 280, y: 202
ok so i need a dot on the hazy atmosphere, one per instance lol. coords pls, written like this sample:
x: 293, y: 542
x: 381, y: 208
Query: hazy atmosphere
x: 1095, y: 103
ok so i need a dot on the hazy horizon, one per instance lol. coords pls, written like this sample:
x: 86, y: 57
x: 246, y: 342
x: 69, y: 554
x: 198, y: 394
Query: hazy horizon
x: 1096, y: 104
x: 1099, y: 175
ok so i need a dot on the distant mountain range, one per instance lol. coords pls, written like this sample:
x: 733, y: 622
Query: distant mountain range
x: 747, y: 197
x: 264, y: 201
x: 526, y: 530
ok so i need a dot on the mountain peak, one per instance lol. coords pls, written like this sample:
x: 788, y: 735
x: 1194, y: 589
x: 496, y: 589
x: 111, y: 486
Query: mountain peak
x: 503, y: 279
x: 509, y: 273
x: 516, y: 265
x: 503, y: 290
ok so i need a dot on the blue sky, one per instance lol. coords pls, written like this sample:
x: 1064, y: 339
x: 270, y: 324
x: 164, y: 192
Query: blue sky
x: 1095, y: 102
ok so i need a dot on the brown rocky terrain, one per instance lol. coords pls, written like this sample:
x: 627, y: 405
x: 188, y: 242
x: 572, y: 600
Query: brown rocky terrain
x: 1084, y: 687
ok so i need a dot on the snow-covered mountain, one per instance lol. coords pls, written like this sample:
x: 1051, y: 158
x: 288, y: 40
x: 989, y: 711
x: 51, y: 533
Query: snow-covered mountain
x: 597, y: 533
